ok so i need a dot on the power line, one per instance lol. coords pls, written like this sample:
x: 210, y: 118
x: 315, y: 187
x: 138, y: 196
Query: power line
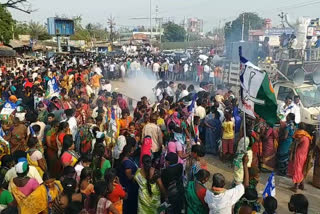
x: 303, y: 5
x: 291, y: 6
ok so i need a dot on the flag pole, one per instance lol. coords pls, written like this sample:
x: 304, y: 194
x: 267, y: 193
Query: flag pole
x: 244, y: 113
x: 244, y: 132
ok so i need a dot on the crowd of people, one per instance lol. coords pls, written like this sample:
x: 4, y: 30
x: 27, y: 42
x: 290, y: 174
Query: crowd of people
x: 194, y: 69
x: 70, y: 144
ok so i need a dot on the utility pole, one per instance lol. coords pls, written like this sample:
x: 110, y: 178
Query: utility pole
x: 111, y: 24
x: 242, y: 33
x: 157, y: 23
x: 282, y: 16
x: 150, y: 20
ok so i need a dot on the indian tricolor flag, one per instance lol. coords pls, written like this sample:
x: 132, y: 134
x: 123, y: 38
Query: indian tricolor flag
x: 257, y: 93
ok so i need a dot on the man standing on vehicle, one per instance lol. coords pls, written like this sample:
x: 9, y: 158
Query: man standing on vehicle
x: 296, y: 109
x: 287, y: 108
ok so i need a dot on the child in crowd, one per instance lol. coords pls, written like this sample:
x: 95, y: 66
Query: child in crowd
x: 270, y: 205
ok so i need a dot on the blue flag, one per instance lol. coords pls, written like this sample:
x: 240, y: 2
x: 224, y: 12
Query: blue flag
x: 270, y: 189
x: 33, y: 134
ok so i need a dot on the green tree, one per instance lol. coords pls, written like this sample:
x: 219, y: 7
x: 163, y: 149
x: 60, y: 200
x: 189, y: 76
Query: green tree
x: 38, y: 31
x: 80, y: 32
x: 97, y: 31
x: 173, y: 32
x: 233, y: 29
x: 21, y: 29
x: 6, y: 25
x: 34, y: 29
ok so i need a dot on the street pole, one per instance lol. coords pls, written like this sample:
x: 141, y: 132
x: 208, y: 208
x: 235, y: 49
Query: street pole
x: 150, y: 20
x: 242, y: 36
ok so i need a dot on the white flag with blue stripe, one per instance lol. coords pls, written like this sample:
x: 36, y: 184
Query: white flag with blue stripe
x: 270, y: 188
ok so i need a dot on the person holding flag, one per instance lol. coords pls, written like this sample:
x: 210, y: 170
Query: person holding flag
x: 258, y: 99
x: 219, y: 199
x: 270, y: 188
x: 257, y: 93
x: 52, y: 86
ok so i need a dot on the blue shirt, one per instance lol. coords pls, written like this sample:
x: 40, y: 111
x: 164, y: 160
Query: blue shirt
x: 318, y: 43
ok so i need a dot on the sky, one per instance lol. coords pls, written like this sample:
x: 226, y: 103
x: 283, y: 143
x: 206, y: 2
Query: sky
x: 214, y: 13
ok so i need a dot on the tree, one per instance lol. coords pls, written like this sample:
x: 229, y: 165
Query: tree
x: 22, y: 5
x: 6, y: 25
x: 80, y: 32
x: 34, y: 29
x: 233, y: 29
x: 21, y: 29
x: 38, y: 31
x: 173, y: 32
x: 96, y: 31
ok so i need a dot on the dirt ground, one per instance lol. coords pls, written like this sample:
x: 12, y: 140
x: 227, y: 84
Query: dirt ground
x: 138, y: 88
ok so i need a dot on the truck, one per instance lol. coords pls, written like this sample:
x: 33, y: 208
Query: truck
x: 295, y: 78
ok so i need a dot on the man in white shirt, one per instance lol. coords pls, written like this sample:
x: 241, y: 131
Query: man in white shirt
x: 287, y: 108
x: 200, y: 110
x: 72, y: 122
x: 106, y: 86
x: 98, y: 70
x: 156, y: 68
x: 33, y: 172
x: 296, y: 109
x: 123, y: 70
x: 220, y: 200
x: 170, y: 89
x: 116, y: 108
x: 170, y: 70
x: 206, y: 72
x: 112, y: 68
x: 186, y: 69
x: 184, y: 91
x: 39, y: 123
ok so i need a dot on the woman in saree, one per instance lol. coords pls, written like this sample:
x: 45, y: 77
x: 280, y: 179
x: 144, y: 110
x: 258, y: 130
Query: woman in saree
x: 35, y: 157
x: 100, y: 162
x: 54, y: 189
x: 269, y: 148
x: 85, y: 184
x: 30, y: 196
x: 67, y: 196
x: 54, y: 164
x: 244, y: 147
x: 299, y: 156
x: 286, y: 132
x: 69, y: 157
x: 126, y: 171
x: 150, y: 183
x: 195, y: 193
x: 316, y: 167
x: 63, y: 131
x: 213, y: 131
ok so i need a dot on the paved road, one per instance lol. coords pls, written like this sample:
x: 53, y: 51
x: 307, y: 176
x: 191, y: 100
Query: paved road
x: 143, y: 87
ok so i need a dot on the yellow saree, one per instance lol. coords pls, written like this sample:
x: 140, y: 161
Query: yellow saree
x: 35, y: 164
x: 34, y: 203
